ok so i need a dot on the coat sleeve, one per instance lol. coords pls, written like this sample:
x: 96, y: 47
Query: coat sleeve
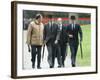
x: 65, y: 33
x: 80, y: 33
x: 67, y: 29
x: 29, y: 31
x: 44, y: 33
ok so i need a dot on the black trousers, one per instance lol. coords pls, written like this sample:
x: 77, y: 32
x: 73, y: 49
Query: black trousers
x: 73, y: 48
x: 50, y: 48
x: 36, y: 50
x: 56, y: 53
x: 63, y: 52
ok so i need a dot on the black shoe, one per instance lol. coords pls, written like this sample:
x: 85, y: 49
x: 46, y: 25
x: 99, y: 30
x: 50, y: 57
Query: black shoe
x: 59, y: 66
x: 73, y: 65
x: 38, y: 67
x: 33, y: 66
x: 63, y: 65
x: 51, y: 66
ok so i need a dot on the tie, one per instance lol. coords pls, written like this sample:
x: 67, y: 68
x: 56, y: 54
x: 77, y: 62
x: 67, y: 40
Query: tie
x: 73, y: 26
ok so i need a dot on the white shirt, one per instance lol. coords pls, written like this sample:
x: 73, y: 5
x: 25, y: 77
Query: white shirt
x: 73, y: 26
x: 60, y: 25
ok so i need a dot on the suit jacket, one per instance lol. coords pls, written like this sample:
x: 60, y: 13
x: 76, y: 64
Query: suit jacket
x: 77, y: 30
x: 63, y: 35
x: 50, y: 33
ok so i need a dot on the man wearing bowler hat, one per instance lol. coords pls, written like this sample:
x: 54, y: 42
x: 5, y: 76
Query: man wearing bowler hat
x: 73, y: 30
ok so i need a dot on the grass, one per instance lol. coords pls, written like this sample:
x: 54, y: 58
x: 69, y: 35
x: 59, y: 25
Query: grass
x: 86, y: 46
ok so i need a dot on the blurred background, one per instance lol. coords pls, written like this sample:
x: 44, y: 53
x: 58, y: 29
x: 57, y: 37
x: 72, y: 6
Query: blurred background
x: 28, y: 16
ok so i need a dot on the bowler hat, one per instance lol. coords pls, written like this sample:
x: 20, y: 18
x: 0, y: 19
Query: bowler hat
x: 73, y: 17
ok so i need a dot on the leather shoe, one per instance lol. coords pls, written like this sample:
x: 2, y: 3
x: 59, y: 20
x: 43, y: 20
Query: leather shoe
x: 59, y: 66
x: 39, y: 67
x: 73, y: 65
x: 51, y: 66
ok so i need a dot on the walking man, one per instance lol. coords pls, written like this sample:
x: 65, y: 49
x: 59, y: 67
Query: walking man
x: 63, y: 40
x: 35, y: 39
x: 51, y: 39
x: 73, y: 30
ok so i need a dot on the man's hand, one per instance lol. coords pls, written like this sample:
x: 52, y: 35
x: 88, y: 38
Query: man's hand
x: 56, y: 41
x: 70, y: 36
x: 29, y: 50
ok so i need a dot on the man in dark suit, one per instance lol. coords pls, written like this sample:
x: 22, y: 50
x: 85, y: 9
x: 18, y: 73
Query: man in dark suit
x: 63, y: 40
x: 73, y: 30
x: 51, y: 39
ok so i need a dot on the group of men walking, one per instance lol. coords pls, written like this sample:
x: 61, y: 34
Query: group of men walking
x: 56, y: 37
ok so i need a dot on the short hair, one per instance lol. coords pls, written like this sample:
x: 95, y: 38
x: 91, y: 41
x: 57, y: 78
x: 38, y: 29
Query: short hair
x: 38, y: 16
x: 72, y: 17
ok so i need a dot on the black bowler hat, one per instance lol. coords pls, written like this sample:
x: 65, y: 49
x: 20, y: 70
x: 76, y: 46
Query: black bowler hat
x: 73, y: 17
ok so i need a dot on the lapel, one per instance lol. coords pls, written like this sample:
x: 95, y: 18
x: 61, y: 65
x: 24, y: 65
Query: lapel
x: 70, y: 27
x: 50, y: 26
x: 73, y: 27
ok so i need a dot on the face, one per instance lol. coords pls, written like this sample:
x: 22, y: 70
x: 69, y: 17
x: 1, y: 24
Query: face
x: 40, y: 19
x: 73, y: 21
x: 59, y: 21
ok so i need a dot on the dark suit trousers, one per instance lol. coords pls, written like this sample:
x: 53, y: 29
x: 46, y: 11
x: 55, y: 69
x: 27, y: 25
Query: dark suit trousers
x: 57, y: 53
x: 36, y: 50
x: 73, y: 48
x: 50, y: 47
x: 63, y: 52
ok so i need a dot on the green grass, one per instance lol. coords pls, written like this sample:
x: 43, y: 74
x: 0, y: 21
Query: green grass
x: 86, y: 46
